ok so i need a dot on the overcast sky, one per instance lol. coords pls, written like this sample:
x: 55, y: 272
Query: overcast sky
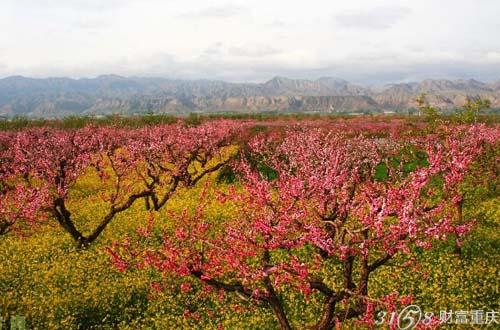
x: 365, y: 41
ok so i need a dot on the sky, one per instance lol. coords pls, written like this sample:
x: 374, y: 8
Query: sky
x: 364, y: 41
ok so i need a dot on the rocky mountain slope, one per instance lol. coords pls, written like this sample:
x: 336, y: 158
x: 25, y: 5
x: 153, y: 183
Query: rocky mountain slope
x: 57, y: 97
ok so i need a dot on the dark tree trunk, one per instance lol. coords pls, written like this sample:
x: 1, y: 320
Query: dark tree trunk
x: 63, y: 217
x: 147, y: 203
x: 4, y: 227
x: 327, y: 320
x: 278, y: 311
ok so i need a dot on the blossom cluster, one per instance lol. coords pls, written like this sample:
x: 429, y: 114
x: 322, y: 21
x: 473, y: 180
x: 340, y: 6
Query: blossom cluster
x: 311, y: 197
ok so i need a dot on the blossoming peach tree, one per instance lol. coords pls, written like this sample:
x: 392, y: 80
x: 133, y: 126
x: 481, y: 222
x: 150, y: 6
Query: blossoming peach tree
x: 20, y: 203
x: 39, y: 168
x: 319, y: 212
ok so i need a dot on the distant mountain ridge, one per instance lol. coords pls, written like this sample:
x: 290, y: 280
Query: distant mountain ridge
x: 58, y: 97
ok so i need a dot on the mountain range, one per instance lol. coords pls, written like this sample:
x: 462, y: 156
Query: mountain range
x: 107, y: 94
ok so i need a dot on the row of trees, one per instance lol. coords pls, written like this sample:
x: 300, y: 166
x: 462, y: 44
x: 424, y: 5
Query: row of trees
x: 469, y: 113
x: 39, y: 167
x: 318, y: 209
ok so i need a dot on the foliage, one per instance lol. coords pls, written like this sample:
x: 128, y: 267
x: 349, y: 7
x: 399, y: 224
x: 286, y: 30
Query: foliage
x: 233, y: 214
x: 430, y: 113
x: 472, y: 109
x: 149, y: 162
x: 324, y: 208
x: 73, y: 122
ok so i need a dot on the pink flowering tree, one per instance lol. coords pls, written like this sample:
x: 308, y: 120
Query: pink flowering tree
x: 56, y: 159
x: 457, y: 151
x: 320, y: 212
x: 20, y: 208
x: 20, y: 203
x: 132, y: 164
x: 178, y: 156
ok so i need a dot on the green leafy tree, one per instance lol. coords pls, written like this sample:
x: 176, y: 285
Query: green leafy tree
x: 472, y: 108
x: 431, y: 113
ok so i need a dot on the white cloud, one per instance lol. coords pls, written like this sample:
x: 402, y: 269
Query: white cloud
x: 377, y: 18
x: 222, y: 11
x: 493, y: 56
x: 357, y: 40
x: 94, y: 5
x: 255, y: 51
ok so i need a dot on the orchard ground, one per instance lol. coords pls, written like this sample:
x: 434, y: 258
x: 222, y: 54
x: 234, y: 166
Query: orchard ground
x: 55, y: 284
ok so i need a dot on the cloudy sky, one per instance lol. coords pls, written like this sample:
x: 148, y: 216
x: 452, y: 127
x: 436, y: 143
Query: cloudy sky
x: 366, y: 41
